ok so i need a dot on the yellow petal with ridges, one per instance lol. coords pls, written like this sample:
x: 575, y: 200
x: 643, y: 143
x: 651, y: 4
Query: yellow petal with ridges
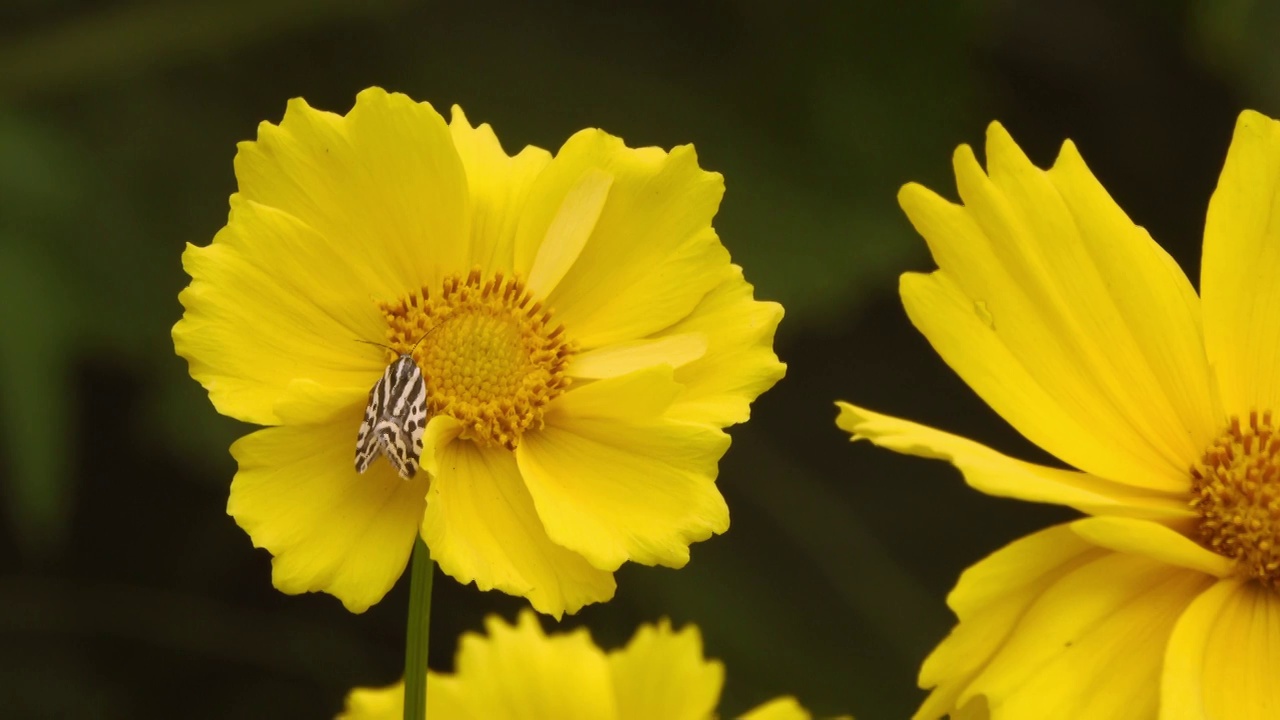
x: 383, y: 183
x: 1092, y: 644
x: 963, y: 334
x: 519, y: 673
x: 989, y: 599
x: 440, y: 431
x: 499, y: 187
x: 622, y: 358
x: 387, y: 703
x: 384, y: 703
x: 1224, y: 656
x: 1152, y: 540
x: 739, y: 363
x: 481, y: 526
x: 270, y: 302
x: 1238, y: 275
x: 651, y: 255
x: 1133, y: 313
x: 1153, y: 299
x: 662, y: 673
x: 615, y: 480
x: 668, y: 292
x: 1119, y: 371
x: 569, y: 231
x: 1003, y: 476
x: 305, y: 401
x: 328, y: 529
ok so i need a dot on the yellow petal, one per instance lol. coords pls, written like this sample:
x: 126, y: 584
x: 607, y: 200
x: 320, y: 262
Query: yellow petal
x: 481, y: 526
x: 384, y: 183
x: 518, y: 672
x: 328, y: 528
x: 440, y: 431
x: 623, y: 358
x: 1224, y: 656
x: 305, y: 401
x: 387, y: 703
x: 271, y: 301
x: 651, y: 254
x: 1092, y: 644
x: 1152, y: 540
x: 569, y: 231
x: 1064, y: 316
x: 499, y: 186
x: 661, y: 673
x: 615, y: 480
x: 1240, y: 267
x: 739, y: 363
x: 1002, y: 476
x: 1151, y: 294
x: 384, y: 703
x: 783, y: 708
x: 989, y: 599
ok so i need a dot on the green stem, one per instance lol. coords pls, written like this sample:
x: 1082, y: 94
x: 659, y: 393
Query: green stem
x: 416, y: 635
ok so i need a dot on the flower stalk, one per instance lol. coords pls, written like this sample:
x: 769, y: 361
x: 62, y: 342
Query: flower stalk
x: 417, y: 634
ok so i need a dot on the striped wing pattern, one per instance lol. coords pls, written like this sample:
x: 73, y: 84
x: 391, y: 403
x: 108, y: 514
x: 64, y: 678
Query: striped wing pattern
x: 394, y: 419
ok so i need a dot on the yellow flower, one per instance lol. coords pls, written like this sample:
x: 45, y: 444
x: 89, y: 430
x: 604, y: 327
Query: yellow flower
x: 1069, y: 321
x: 518, y: 672
x: 559, y: 445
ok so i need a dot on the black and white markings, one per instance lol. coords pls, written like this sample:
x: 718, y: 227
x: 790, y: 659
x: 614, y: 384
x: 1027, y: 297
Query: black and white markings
x: 395, y: 417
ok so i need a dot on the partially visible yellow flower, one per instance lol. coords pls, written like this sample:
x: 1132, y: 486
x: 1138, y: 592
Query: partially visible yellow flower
x: 1084, y: 335
x: 560, y: 444
x: 519, y: 672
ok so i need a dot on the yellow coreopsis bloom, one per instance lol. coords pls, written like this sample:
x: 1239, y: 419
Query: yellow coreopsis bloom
x: 1084, y: 335
x: 559, y: 446
x: 519, y: 672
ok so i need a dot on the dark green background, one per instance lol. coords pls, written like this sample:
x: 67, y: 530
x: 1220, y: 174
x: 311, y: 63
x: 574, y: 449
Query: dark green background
x: 126, y: 591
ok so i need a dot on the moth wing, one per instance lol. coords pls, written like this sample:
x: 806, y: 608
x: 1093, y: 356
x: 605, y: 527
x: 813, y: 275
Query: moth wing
x: 366, y: 440
x: 410, y: 417
x: 397, y: 444
x: 415, y: 425
x: 394, y: 419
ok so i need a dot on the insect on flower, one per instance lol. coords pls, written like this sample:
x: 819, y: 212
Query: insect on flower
x: 395, y: 416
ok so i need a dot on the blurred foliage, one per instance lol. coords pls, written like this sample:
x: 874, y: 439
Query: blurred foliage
x: 129, y: 588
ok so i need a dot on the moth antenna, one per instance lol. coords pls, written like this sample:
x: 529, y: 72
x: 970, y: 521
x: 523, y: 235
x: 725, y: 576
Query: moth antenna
x: 424, y: 337
x: 415, y: 344
x: 370, y: 342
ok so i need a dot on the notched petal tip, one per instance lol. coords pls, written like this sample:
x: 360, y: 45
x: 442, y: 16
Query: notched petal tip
x: 910, y: 191
x: 970, y: 175
x: 1254, y: 119
x: 1005, y: 158
x: 688, y: 154
x: 457, y: 116
x: 374, y: 93
x: 850, y: 419
x: 999, y: 139
x: 964, y: 154
x: 298, y: 114
x: 1069, y: 155
x: 298, y: 105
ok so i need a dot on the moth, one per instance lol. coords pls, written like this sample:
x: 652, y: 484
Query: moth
x: 395, y: 416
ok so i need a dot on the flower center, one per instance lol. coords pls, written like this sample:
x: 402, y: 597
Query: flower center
x: 1236, y: 489
x: 487, y: 351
